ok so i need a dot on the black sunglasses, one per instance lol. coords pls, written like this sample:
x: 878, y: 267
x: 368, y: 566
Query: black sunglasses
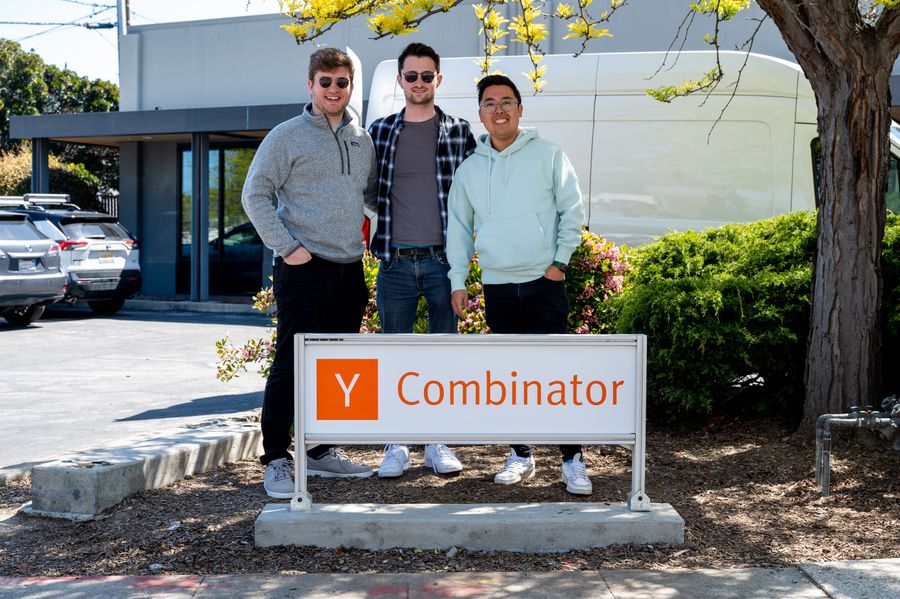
x: 411, y: 76
x: 342, y: 82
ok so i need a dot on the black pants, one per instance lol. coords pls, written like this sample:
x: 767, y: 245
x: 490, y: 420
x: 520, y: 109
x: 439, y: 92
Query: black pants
x: 316, y: 297
x: 540, y: 306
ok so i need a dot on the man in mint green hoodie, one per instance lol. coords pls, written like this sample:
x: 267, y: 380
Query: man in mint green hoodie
x: 516, y: 202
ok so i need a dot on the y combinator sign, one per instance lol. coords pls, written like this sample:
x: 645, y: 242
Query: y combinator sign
x: 455, y: 388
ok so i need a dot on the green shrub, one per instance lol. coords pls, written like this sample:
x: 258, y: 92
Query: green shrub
x: 73, y: 179
x: 891, y: 306
x: 724, y: 310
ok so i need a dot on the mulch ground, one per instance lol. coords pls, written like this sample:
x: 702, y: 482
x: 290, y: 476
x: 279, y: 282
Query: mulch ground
x: 746, y: 491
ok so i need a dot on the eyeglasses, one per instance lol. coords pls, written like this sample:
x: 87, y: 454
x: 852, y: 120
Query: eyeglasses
x: 412, y: 76
x: 505, y: 105
x: 342, y: 82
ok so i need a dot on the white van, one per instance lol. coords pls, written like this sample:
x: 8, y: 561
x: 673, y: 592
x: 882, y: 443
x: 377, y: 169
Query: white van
x: 646, y: 167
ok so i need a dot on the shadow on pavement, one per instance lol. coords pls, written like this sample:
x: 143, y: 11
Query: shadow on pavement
x: 203, y: 406
x: 74, y: 313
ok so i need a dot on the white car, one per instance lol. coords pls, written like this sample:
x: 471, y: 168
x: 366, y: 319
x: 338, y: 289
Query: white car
x: 98, y: 254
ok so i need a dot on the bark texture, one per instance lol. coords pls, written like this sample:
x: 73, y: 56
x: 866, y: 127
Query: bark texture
x: 848, y: 62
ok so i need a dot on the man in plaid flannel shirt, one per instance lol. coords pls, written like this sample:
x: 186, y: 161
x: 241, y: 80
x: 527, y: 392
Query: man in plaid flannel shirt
x: 417, y: 152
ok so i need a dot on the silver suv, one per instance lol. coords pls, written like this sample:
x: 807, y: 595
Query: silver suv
x: 30, y: 275
x: 98, y: 254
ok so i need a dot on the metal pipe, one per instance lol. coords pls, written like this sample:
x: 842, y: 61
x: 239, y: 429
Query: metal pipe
x: 855, y: 419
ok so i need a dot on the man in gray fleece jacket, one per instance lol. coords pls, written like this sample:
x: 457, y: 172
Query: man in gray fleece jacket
x: 304, y: 193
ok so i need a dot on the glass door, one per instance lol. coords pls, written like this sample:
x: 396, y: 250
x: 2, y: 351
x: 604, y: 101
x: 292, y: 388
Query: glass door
x: 235, y: 250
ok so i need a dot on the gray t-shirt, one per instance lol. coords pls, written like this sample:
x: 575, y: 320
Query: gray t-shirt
x: 415, y: 210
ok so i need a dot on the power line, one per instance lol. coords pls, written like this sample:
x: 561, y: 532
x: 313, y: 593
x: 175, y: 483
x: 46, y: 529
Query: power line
x: 72, y: 23
x: 92, y: 4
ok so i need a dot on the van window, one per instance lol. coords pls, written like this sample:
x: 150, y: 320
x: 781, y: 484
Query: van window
x: 893, y: 186
x: 893, y: 190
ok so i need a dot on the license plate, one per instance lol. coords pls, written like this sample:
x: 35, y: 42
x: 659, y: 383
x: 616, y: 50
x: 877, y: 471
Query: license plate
x: 107, y: 256
x: 27, y: 265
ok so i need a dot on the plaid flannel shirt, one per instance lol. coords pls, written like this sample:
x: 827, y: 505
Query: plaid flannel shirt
x: 455, y: 144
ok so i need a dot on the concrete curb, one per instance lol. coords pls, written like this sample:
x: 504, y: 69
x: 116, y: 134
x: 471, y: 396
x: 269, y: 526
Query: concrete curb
x: 82, y: 486
x: 187, y: 306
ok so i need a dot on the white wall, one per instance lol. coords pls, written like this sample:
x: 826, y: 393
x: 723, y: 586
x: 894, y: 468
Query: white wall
x: 251, y: 61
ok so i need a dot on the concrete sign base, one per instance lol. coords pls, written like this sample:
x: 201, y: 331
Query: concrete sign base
x: 531, y: 527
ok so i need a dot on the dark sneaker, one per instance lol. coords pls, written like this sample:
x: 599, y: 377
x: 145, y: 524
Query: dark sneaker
x: 335, y: 463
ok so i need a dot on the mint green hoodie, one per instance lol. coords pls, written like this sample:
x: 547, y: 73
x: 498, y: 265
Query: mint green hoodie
x: 520, y: 209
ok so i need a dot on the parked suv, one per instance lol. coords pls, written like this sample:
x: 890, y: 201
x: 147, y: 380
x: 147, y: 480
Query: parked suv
x: 30, y: 275
x: 99, y: 256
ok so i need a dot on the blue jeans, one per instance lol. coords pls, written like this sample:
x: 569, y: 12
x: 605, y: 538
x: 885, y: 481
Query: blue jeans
x: 402, y: 280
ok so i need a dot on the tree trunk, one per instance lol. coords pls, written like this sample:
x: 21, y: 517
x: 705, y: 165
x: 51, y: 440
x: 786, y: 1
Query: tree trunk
x: 843, y: 360
x: 848, y: 62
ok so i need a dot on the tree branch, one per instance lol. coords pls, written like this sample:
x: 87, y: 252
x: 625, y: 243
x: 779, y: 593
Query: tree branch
x: 887, y: 31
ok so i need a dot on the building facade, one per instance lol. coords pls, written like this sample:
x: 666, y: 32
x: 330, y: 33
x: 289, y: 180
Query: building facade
x: 197, y: 97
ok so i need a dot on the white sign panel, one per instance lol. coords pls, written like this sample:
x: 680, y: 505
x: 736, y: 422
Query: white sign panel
x: 476, y: 389
x: 542, y: 389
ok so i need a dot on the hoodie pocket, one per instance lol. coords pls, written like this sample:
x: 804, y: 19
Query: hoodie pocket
x: 511, y: 243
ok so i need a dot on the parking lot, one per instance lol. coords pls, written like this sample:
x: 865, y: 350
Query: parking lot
x: 74, y: 381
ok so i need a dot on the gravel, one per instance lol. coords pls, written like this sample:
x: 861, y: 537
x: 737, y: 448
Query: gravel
x: 746, y: 490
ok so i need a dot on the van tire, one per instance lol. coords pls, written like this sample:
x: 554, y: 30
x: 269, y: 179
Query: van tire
x: 22, y: 316
x: 106, y: 307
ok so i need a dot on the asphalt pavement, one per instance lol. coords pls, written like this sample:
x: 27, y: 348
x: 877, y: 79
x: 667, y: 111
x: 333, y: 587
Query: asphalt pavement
x: 75, y: 381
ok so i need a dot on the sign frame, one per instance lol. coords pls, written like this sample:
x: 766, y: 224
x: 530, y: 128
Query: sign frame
x: 637, y: 498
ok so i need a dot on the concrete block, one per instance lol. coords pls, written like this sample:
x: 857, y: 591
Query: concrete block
x: 532, y: 527
x: 84, y: 485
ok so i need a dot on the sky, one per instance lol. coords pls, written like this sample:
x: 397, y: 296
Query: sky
x: 93, y: 53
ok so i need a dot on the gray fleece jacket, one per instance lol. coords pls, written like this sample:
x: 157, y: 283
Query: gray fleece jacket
x: 307, y: 184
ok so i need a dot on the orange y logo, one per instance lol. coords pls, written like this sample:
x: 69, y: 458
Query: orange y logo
x: 347, y: 389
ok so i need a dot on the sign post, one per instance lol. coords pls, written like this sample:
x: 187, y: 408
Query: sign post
x: 470, y: 389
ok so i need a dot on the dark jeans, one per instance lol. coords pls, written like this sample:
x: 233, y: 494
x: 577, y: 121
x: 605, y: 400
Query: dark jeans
x: 316, y: 297
x: 540, y: 306
x: 402, y: 280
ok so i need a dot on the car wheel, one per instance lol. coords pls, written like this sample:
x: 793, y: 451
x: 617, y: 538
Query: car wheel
x: 106, y: 307
x: 21, y: 316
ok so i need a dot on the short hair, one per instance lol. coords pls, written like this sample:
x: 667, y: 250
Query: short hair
x: 329, y: 59
x: 490, y: 80
x: 420, y: 50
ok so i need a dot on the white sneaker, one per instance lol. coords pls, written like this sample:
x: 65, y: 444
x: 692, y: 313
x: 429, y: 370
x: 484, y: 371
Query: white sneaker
x: 395, y: 461
x: 442, y: 459
x: 516, y: 469
x: 574, y: 474
x: 278, y: 480
x: 336, y: 463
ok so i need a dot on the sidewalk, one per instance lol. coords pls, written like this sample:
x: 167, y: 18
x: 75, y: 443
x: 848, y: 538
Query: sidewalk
x: 871, y: 579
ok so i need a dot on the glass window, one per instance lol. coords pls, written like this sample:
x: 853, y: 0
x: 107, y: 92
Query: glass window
x: 19, y: 230
x: 93, y: 230
x: 893, y: 190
